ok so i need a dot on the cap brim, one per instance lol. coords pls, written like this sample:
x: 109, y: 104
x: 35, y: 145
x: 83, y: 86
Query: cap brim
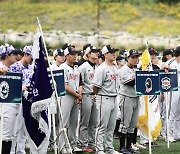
x: 73, y: 52
x: 135, y: 55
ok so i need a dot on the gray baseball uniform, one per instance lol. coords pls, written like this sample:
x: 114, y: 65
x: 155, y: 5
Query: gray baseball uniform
x: 68, y: 107
x: 106, y: 79
x: 128, y: 101
x: 88, y: 111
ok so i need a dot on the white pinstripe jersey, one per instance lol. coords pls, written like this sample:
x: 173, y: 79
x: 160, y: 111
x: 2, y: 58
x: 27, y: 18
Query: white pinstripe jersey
x: 175, y: 65
x: 106, y: 78
x: 71, y: 75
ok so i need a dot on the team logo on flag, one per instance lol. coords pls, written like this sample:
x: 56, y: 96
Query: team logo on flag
x: 4, y: 90
x: 166, y: 83
x: 148, y: 85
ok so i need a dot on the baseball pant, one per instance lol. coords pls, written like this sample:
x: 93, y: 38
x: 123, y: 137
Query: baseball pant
x: 18, y: 143
x: 88, y: 122
x: 129, y: 113
x: 70, y: 112
x: 10, y: 112
x: 176, y: 101
x: 107, y: 112
x: 173, y: 113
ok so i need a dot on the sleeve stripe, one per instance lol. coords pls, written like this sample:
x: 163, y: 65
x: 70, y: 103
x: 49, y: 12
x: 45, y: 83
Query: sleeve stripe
x: 97, y: 85
x: 127, y: 81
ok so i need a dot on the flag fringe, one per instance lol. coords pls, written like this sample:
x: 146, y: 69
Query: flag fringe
x: 36, y: 109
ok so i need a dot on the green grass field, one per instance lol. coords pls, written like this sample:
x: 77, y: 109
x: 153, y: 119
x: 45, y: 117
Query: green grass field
x: 162, y: 149
x: 142, y: 19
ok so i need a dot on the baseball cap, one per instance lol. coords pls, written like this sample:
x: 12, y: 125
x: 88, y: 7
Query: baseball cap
x: 6, y: 49
x: 17, y: 51
x: 91, y: 49
x: 120, y: 58
x: 59, y: 52
x: 152, y: 51
x: 177, y: 51
x: 100, y: 55
x: 69, y: 50
x: 65, y: 46
x: 86, y: 46
x: 133, y: 53
x: 108, y: 48
x: 168, y: 52
x: 123, y: 52
x: 28, y: 49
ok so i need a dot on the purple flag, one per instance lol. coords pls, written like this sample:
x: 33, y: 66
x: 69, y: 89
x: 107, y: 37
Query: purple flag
x: 36, y: 102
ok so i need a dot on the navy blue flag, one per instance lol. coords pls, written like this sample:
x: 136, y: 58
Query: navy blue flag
x: 36, y: 102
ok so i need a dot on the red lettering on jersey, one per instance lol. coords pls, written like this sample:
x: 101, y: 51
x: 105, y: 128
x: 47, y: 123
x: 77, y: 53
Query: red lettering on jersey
x: 71, y: 76
x: 91, y: 75
x: 113, y: 77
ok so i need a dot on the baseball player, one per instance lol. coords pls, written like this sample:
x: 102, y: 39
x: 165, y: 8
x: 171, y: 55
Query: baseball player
x: 167, y: 55
x: 129, y: 102
x: 120, y: 62
x: 174, y: 116
x: 9, y: 109
x: 18, y: 52
x: 22, y: 66
x: 88, y: 113
x: 105, y: 86
x: 59, y: 58
x: 70, y: 102
x: 84, y: 58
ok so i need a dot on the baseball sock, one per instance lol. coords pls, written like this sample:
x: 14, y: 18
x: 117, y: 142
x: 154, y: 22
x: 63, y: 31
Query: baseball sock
x: 134, y: 138
x: 117, y: 127
x: 6, y: 147
x: 129, y: 140
x: 121, y: 140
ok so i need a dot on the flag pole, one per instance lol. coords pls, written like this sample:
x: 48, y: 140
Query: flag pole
x: 167, y: 121
x: 149, y: 123
x: 1, y: 125
x: 56, y: 95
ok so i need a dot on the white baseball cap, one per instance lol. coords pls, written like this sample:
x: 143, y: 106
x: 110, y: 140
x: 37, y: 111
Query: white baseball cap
x: 90, y: 49
x: 59, y: 52
x: 70, y: 50
x: 108, y: 48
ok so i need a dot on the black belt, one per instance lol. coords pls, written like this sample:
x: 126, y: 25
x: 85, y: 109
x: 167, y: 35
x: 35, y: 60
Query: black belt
x: 107, y: 95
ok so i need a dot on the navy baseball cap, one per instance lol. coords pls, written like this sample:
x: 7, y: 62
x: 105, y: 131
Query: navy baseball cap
x: 17, y: 51
x: 168, y: 52
x: 177, y: 51
x: 133, y: 53
x: 152, y: 51
x: 108, y: 48
x: 120, y: 58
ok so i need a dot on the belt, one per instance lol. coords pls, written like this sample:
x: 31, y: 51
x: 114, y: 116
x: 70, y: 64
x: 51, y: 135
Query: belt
x: 107, y: 95
x: 88, y: 93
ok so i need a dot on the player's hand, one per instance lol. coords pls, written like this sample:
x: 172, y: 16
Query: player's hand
x: 166, y: 68
x: 77, y: 101
x: 78, y: 96
x: 94, y: 98
x: 3, y: 71
x: 24, y: 88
